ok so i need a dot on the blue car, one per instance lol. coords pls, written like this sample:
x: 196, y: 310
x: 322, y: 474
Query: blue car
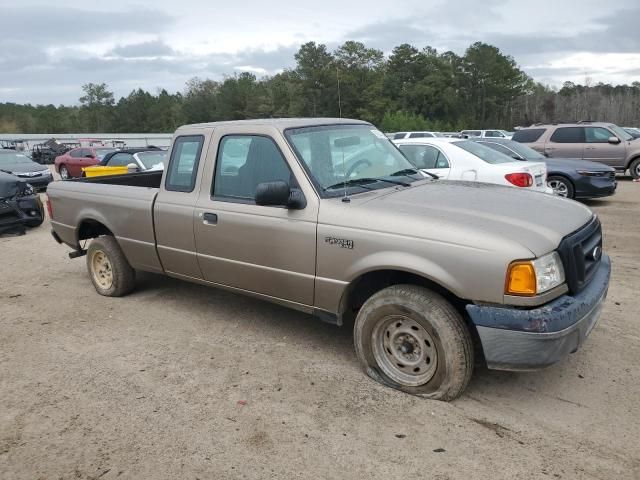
x: 570, y: 178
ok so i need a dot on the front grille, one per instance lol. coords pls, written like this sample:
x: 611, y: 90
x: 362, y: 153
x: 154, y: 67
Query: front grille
x: 581, y: 253
x: 612, y: 175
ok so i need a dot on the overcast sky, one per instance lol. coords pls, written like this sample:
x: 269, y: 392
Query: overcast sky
x: 48, y: 50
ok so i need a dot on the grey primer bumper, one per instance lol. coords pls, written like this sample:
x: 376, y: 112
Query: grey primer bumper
x: 514, y: 339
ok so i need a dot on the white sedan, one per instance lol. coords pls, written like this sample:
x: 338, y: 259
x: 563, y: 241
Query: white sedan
x: 457, y: 159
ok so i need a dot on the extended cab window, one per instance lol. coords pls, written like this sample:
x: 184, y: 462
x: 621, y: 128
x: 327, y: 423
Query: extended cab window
x: 425, y: 156
x: 183, y: 165
x: 243, y: 162
x: 568, y: 135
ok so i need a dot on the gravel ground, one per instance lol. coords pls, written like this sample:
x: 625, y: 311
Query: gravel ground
x: 182, y: 381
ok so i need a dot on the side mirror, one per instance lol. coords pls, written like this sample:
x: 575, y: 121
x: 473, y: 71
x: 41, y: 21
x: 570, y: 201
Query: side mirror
x: 614, y: 140
x: 279, y: 194
x: 132, y: 168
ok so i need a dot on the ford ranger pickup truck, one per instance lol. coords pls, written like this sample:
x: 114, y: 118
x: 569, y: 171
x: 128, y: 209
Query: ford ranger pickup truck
x: 326, y: 216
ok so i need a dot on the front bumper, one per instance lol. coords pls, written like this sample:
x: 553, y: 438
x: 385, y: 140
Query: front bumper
x: 595, y: 187
x: 514, y: 339
x: 20, y: 212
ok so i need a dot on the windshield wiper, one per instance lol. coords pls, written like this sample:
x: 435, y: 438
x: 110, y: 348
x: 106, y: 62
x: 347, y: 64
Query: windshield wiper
x: 406, y: 172
x: 361, y: 181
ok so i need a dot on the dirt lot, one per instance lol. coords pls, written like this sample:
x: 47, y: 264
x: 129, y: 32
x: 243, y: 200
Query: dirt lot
x: 181, y: 381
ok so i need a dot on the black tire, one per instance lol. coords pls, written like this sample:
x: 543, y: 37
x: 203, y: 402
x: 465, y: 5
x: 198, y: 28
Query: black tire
x: 567, y: 189
x: 634, y: 168
x: 64, y: 173
x: 116, y: 269
x: 418, y: 311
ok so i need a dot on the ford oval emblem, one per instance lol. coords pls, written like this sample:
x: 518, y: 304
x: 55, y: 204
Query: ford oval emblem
x: 596, y: 253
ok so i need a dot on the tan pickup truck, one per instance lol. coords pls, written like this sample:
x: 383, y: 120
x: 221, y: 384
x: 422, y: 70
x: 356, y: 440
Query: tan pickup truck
x: 326, y: 216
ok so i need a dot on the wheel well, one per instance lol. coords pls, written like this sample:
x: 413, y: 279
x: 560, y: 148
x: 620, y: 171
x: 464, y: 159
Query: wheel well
x: 366, y: 285
x: 92, y: 229
x: 631, y: 160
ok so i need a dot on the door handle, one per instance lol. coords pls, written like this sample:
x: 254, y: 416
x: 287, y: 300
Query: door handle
x: 210, y: 218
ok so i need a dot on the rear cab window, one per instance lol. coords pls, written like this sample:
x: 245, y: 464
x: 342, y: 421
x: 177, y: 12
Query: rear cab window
x: 529, y: 135
x: 183, y: 164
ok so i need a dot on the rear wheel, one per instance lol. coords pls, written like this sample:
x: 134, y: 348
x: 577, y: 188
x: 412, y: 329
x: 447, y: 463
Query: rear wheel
x: 64, y: 173
x: 634, y: 168
x: 412, y: 339
x: 110, y: 272
x: 561, y: 186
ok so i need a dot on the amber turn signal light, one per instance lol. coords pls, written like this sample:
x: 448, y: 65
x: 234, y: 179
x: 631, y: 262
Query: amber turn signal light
x: 521, y: 279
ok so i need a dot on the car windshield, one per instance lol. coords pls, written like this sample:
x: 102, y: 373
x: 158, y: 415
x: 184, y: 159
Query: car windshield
x: 620, y: 133
x: 486, y: 154
x: 152, y: 160
x: 358, y: 157
x: 101, y: 152
x: 10, y: 157
x: 525, y: 152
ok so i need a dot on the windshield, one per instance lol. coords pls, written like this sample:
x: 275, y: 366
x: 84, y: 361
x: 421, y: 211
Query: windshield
x: 10, y: 157
x: 620, y: 133
x: 486, y: 154
x: 101, y: 152
x: 151, y: 160
x: 358, y: 154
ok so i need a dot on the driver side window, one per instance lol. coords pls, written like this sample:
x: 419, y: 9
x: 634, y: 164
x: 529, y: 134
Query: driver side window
x: 243, y: 162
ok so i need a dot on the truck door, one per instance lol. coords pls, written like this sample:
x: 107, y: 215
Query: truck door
x: 173, y: 212
x: 599, y: 149
x: 262, y: 249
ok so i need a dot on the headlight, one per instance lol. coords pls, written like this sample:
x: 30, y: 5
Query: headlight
x: 27, y: 190
x: 589, y: 173
x: 45, y: 172
x: 533, y: 277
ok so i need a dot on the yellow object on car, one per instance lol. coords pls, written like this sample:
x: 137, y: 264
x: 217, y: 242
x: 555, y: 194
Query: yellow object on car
x: 100, y: 171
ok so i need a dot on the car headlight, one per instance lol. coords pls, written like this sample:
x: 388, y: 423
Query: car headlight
x: 27, y: 190
x: 533, y: 277
x: 589, y: 173
x: 45, y: 172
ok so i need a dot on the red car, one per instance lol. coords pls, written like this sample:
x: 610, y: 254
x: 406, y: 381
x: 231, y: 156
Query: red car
x: 71, y: 163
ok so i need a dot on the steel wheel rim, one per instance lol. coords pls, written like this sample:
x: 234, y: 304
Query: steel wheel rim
x: 404, y: 350
x: 101, y: 269
x: 64, y: 174
x: 559, y: 188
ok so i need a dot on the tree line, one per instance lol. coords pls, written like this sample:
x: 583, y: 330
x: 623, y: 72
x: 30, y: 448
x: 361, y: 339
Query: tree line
x: 411, y: 89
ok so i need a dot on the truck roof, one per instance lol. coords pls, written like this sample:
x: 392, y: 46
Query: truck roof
x: 280, y: 123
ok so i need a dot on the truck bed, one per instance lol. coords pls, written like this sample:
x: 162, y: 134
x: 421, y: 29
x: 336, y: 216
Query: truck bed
x: 123, y: 204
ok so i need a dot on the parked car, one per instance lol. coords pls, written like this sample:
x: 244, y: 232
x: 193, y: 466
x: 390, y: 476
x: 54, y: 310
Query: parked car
x: 460, y: 159
x: 136, y: 159
x: 634, y: 132
x: 46, y: 152
x: 486, y: 134
x: 20, y: 205
x: 20, y: 165
x: 424, y: 265
x: 71, y: 163
x: 569, y: 178
x: 594, y: 141
x: 401, y: 135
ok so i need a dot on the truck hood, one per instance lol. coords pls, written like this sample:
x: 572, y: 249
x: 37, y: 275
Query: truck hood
x: 454, y: 211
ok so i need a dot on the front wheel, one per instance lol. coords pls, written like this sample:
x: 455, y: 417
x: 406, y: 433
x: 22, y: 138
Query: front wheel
x: 110, y: 272
x: 634, y: 169
x: 412, y: 339
x: 561, y: 186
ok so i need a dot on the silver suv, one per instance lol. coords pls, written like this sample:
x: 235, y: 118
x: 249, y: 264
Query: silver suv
x: 596, y: 141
